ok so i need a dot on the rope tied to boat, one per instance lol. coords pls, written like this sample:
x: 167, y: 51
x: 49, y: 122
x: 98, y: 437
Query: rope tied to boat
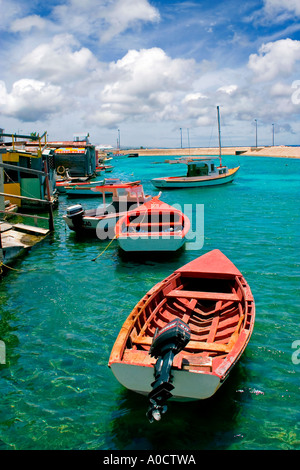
x: 8, y: 267
x: 94, y: 259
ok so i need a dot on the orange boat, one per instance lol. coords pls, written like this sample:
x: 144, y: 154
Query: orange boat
x: 185, y: 335
x: 152, y: 227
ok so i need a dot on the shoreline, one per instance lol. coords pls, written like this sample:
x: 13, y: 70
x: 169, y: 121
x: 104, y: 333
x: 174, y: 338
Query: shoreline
x: 280, y: 151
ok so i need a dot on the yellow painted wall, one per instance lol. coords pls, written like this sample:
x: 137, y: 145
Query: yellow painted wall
x: 10, y: 157
x: 13, y: 188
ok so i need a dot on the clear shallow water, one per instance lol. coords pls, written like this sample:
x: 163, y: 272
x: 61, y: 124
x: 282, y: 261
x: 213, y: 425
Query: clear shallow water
x: 61, y: 312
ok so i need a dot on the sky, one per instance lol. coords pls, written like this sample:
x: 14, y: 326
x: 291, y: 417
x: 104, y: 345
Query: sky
x: 152, y: 73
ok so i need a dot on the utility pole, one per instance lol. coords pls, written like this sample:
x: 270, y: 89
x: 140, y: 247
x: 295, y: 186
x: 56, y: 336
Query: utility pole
x: 219, y: 132
x: 50, y: 208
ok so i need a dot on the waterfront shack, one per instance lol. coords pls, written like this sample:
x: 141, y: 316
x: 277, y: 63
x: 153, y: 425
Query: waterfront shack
x: 28, y: 173
x: 18, y: 238
x: 78, y: 157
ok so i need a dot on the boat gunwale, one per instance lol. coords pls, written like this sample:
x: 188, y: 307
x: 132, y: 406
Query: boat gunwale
x: 143, y: 210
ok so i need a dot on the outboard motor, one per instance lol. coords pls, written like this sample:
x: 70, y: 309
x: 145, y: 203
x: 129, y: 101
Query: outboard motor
x: 166, y: 343
x: 76, y: 214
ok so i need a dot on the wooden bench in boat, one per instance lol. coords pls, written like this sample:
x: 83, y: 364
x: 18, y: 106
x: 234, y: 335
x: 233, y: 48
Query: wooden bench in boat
x: 189, y: 294
x: 162, y: 224
x: 200, y: 345
x: 194, y: 345
x: 155, y: 226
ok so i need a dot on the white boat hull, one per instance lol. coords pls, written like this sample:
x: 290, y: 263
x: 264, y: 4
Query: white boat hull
x: 151, y: 243
x: 102, y: 227
x: 187, y: 385
x: 191, y: 182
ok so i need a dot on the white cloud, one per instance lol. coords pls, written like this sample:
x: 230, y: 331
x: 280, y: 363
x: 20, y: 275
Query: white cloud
x: 27, y: 23
x: 105, y: 18
x: 30, y: 100
x: 283, y: 7
x: 123, y: 14
x: 229, y: 89
x: 90, y: 63
x: 276, y: 12
x: 58, y: 61
x: 145, y: 82
x: 193, y: 98
x: 280, y: 89
x: 9, y: 11
x: 275, y: 59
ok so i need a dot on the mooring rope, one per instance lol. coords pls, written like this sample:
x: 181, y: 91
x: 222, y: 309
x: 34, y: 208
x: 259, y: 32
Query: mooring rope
x: 94, y: 259
x: 9, y: 267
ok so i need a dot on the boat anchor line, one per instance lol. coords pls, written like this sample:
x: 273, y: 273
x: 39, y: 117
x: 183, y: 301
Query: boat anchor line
x: 8, y: 267
x: 167, y: 342
x: 94, y: 259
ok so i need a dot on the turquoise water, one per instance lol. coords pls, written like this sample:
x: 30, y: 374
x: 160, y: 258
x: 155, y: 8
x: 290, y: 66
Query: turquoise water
x: 61, y: 312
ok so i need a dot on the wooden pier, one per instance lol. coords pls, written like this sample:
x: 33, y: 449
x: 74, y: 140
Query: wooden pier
x: 16, y: 239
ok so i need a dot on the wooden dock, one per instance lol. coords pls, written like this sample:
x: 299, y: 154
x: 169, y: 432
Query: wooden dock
x: 17, y: 239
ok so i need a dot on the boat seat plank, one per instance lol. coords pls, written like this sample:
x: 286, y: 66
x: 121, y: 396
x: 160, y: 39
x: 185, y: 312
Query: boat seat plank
x: 203, y: 295
x: 194, y: 345
x: 160, y: 224
x: 203, y: 345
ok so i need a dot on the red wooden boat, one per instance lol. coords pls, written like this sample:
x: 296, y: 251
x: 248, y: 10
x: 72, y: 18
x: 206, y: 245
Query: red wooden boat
x: 154, y: 226
x: 186, y: 333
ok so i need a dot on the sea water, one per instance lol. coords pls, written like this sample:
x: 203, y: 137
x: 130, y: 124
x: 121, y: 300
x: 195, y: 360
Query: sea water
x: 61, y: 312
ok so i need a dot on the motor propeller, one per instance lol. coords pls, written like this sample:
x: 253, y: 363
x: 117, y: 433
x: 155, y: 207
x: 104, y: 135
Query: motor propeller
x: 166, y: 343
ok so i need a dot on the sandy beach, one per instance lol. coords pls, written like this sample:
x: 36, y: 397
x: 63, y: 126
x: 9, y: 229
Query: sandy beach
x: 280, y: 151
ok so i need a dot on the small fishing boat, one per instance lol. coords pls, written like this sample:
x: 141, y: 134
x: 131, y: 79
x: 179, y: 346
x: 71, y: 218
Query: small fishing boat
x: 101, y: 221
x: 64, y: 182
x: 154, y: 226
x: 186, y: 334
x: 119, y: 155
x: 105, y: 168
x: 103, y: 160
x: 201, y: 171
x: 91, y: 189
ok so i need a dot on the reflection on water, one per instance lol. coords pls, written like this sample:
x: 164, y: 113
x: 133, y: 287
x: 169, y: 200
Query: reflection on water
x: 207, y: 424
